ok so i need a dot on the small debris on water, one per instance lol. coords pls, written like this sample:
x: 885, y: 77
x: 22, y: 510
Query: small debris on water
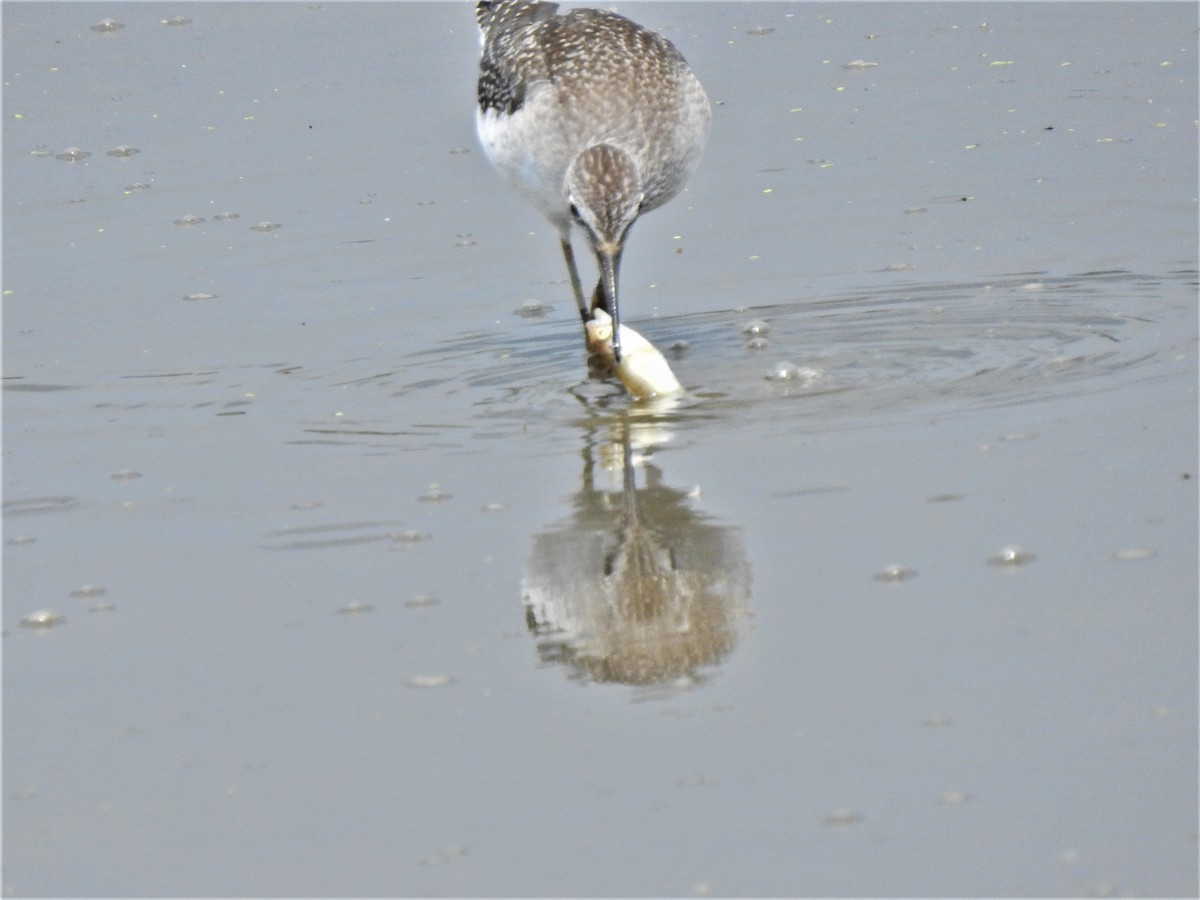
x: 422, y: 601
x: 1134, y: 553
x: 409, y: 536
x: 124, y: 150
x: 895, y: 573
x: 532, y: 309
x: 200, y: 295
x: 265, y: 226
x: 953, y: 798
x: 355, y: 607
x: 429, y: 681
x: 42, y: 619
x: 125, y: 475
x: 107, y: 26
x: 842, y: 817
x: 495, y: 506
x: 435, y: 494
x: 1011, y: 556
x: 189, y: 220
x: 444, y: 855
x: 73, y: 154
x: 87, y: 590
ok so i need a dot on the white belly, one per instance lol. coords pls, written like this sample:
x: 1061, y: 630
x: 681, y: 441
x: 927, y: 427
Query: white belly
x: 530, y: 153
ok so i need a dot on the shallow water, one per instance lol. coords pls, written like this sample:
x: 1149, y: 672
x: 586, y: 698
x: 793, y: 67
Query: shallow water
x: 361, y: 586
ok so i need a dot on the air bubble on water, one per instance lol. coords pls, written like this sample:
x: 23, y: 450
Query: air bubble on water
x: 894, y: 573
x: 265, y: 226
x: 429, y: 681
x: 125, y: 475
x: 189, y: 220
x: 124, y: 150
x: 758, y: 342
x: 200, y: 295
x: 1012, y: 557
x: 679, y: 349
x: 107, y: 26
x: 1134, y: 553
x: 801, y: 376
x: 87, y: 590
x: 756, y: 327
x: 226, y: 216
x: 42, y: 618
x: 354, y: 608
x: 464, y: 240
x: 176, y: 21
x: 532, y: 309
x: 783, y: 371
x: 73, y: 154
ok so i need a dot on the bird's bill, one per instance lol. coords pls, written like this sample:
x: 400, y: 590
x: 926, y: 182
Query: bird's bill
x: 609, y: 258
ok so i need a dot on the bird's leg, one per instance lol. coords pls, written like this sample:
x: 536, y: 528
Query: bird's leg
x: 576, y: 284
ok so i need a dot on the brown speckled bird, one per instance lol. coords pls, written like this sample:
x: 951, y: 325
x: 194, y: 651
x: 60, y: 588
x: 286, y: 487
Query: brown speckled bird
x: 593, y: 119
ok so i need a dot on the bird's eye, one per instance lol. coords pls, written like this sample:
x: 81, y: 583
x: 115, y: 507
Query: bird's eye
x: 575, y: 212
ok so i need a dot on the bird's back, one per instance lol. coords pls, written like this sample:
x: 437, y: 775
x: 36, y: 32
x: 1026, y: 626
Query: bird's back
x: 560, y: 83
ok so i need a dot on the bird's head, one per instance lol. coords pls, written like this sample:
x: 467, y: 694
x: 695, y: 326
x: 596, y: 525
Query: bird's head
x: 605, y: 195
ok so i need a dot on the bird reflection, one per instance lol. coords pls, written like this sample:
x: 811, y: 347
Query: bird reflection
x: 636, y: 587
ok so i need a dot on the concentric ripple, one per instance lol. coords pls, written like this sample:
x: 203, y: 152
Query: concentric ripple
x: 928, y: 348
x: 850, y: 360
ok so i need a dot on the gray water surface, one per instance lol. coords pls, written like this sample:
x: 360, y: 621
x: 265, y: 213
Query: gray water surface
x: 327, y: 573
